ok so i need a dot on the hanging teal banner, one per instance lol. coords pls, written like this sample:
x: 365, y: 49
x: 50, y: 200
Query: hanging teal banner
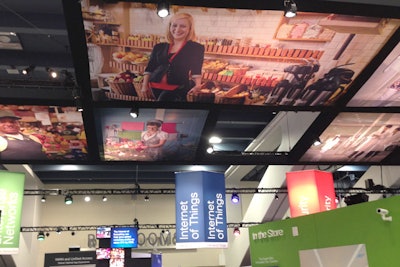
x: 11, y: 196
x: 200, y: 210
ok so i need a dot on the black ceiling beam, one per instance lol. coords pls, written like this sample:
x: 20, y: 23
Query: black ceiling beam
x: 38, y: 59
x: 76, y: 31
x: 338, y: 7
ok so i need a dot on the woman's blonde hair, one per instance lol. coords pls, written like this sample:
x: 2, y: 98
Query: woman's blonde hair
x: 191, y: 35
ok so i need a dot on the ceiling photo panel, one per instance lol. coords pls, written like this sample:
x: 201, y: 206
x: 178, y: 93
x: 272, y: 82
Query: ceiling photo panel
x: 236, y: 56
x: 41, y: 133
x: 357, y: 137
x: 155, y: 135
x: 383, y: 88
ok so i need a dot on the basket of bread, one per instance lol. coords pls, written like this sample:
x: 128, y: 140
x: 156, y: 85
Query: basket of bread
x: 205, y: 95
x: 235, y: 95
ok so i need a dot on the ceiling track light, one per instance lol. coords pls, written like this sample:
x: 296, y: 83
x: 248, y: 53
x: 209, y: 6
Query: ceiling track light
x: 236, y: 231
x: 28, y: 70
x: 210, y: 149
x: 317, y: 142
x: 40, y: 236
x: 52, y: 73
x: 235, y: 198
x: 105, y: 198
x: 68, y: 199
x: 147, y: 198
x: 290, y: 8
x: 43, y: 199
x: 134, y: 112
x: 163, y: 9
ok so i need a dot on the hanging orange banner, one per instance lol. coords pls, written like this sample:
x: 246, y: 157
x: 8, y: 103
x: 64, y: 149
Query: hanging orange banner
x: 310, y: 191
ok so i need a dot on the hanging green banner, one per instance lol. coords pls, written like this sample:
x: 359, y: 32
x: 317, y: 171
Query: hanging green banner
x: 11, y: 196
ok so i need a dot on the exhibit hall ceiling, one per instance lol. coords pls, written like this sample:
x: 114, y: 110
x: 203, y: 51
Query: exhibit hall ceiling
x: 270, y: 86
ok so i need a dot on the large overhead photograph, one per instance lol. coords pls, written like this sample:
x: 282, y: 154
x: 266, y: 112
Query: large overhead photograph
x: 227, y: 56
x: 41, y: 133
x: 155, y: 135
x: 357, y: 137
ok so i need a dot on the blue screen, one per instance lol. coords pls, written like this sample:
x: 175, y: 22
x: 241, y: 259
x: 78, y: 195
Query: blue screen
x: 124, y: 237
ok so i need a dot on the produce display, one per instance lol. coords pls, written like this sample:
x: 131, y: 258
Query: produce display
x: 130, y: 57
x: 126, y: 83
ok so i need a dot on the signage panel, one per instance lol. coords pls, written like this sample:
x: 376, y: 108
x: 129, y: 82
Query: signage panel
x: 11, y: 196
x: 310, y: 191
x: 200, y: 210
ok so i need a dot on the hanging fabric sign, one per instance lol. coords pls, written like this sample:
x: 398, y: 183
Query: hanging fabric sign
x: 11, y: 196
x: 310, y: 191
x: 200, y: 210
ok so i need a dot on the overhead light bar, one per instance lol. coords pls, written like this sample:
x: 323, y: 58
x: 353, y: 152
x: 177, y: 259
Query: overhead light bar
x: 162, y: 9
x: 290, y: 8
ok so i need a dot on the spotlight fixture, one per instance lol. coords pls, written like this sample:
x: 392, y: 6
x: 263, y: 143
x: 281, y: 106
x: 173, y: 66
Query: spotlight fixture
x: 52, y: 73
x: 162, y: 9
x: 147, y: 198
x: 105, y: 198
x: 236, y: 231
x: 276, y: 197
x: 40, y: 236
x: 317, y: 142
x: 59, y: 230
x: 28, y: 70
x: 134, y: 112
x: 210, y: 149
x: 136, y: 223
x: 87, y: 198
x: 290, y: 8
x: 78, y: 103
x: 43, y: 199
x: 68, y: 199
x: 235, y: 198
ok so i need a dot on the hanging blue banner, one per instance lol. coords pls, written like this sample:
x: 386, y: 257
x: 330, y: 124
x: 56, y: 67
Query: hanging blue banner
x: 200, y: 210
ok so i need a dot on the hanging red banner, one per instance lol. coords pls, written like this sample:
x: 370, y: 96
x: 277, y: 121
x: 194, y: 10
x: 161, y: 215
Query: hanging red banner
x: 310, y: 191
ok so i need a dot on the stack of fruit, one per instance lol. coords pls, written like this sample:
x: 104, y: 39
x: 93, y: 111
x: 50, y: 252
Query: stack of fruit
x: 122, y: 83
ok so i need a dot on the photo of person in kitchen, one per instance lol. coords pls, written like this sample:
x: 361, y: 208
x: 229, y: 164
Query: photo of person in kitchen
x: 174, y: 68
x: 153, y: 139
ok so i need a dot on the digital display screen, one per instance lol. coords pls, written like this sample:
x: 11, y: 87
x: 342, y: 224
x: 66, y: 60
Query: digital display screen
x: 124, y: 237
x: 103, y: 232
x: 103, y: 253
